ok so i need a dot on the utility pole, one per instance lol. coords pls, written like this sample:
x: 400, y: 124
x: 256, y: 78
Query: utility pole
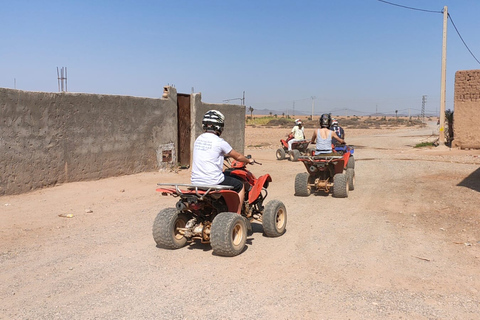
x: 313, y: 105
x: 441, y: 138
x: 241, y: 99
x: 62, y: 79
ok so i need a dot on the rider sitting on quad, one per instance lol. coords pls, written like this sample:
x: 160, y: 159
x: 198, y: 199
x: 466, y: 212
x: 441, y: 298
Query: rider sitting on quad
x: 322, y: 138
x: 338, y: 130
x: 297, y: 133
x: 209, y: 151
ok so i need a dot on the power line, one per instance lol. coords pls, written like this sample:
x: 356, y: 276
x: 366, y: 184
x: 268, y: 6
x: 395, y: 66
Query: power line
x: 450, y: 17
x: 411, y: 8
x: 432, y: 11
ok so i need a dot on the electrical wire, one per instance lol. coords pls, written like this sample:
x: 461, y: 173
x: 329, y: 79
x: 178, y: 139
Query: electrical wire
x: 432, y: 11
x: 411, y: 8
x: 450, y: 17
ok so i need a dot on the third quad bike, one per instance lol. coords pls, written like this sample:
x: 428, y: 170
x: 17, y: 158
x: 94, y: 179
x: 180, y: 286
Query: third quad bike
x: 213, y: 214
x: 327, y: 172
x: 298, y: 148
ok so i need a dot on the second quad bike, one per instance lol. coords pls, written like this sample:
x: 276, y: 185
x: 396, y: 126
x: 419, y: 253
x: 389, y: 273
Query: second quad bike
x: 334, y: 172
x: 213, y: 214
x: 299, y: 148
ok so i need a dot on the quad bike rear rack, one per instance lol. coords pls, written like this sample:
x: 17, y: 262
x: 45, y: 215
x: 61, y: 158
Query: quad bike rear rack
x: 320, y: 157
x: 205, y: 189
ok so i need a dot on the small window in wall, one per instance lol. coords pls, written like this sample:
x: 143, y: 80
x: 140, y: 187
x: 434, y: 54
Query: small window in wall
x: 167, y: 156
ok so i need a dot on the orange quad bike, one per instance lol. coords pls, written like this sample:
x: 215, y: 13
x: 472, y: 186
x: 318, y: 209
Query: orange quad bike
x: 213, y: 213
x: 299, y: 148
x: 334, y: 172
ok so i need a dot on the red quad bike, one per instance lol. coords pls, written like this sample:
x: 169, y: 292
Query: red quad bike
x: 298, y: 148
x: 326, y: 172
x: 213, y: 214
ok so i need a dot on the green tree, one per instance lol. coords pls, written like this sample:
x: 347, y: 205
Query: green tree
x: 251, y: 112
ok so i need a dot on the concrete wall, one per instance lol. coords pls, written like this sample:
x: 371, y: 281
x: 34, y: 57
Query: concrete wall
x: 234, y: 131
x: 467, y: 109
x: 50, y: 138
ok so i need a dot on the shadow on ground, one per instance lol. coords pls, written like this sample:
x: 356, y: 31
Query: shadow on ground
x: 472, y: 181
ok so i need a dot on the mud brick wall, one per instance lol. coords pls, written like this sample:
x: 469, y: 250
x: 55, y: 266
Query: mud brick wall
x: 51, y: 138
x: 466, y: 119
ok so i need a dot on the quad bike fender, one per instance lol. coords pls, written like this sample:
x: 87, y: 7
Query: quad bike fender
x: 232, y: 199
x: 166, y: 191
x: 257, y: 188
x: 340, y: 165
x: 346, y: 156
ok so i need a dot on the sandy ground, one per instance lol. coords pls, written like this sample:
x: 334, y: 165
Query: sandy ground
x: 405, y: 244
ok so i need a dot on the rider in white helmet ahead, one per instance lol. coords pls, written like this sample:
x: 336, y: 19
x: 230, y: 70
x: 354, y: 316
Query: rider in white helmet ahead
x: 209, y: 151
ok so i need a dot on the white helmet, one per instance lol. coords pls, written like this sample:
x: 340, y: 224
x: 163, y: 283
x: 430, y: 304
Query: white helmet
x: 298, y: 121
x: 213, y: 120
x: 334, y: 122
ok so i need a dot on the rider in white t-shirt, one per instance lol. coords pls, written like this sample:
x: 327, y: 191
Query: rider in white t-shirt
x: 209, y: 151
x: 298, y: 133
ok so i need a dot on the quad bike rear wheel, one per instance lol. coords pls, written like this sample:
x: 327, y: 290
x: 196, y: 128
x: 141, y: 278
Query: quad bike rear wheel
x: 294, y: 155
x: 302, y: 189
x: 228, y: 234
x: 340, y: 185
x: 280, y: 154
x: 165, y: 231
x: 351, y: 178
x: 274, y: 219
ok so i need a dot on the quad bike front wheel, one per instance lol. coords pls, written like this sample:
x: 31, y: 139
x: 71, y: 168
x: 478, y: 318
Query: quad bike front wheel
x: 302, y: 189
x: 165, y: 229
x: 228, y: 234
x: 274, y: 219
x: 351, y: 178
x: 280, y: 154
x: 294, y: 155
x: 340, y: 185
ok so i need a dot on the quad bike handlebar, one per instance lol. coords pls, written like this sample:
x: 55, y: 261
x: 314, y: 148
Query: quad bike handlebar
x: 229, y: 161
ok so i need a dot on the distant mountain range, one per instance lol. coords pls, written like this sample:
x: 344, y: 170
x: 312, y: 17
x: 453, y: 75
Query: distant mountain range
x: 292, y: 113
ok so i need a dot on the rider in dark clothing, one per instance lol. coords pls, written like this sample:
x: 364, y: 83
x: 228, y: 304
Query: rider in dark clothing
x: 338, y: 130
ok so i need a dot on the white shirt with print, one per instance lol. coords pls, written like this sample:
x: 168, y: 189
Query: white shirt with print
x: 208, y: 154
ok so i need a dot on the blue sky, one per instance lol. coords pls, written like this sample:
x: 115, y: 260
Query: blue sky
x: 353, y: 56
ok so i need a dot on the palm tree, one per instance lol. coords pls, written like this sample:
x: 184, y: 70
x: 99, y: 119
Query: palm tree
x: 449, y: 132
x: 251, y: 112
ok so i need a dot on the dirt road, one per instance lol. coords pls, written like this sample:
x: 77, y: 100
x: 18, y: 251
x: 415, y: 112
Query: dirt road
x: 405, y: 244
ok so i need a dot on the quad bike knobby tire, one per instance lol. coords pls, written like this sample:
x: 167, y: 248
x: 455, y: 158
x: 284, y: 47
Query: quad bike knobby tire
x: 294, y: 155
x: 302, y: 189
x: 165, y: 227
x: 340, y: 185
x: 274, y: 219
x: 280, y: 154
x: 351, y: 162
x: 228, y: 234
x: 351, y: 178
